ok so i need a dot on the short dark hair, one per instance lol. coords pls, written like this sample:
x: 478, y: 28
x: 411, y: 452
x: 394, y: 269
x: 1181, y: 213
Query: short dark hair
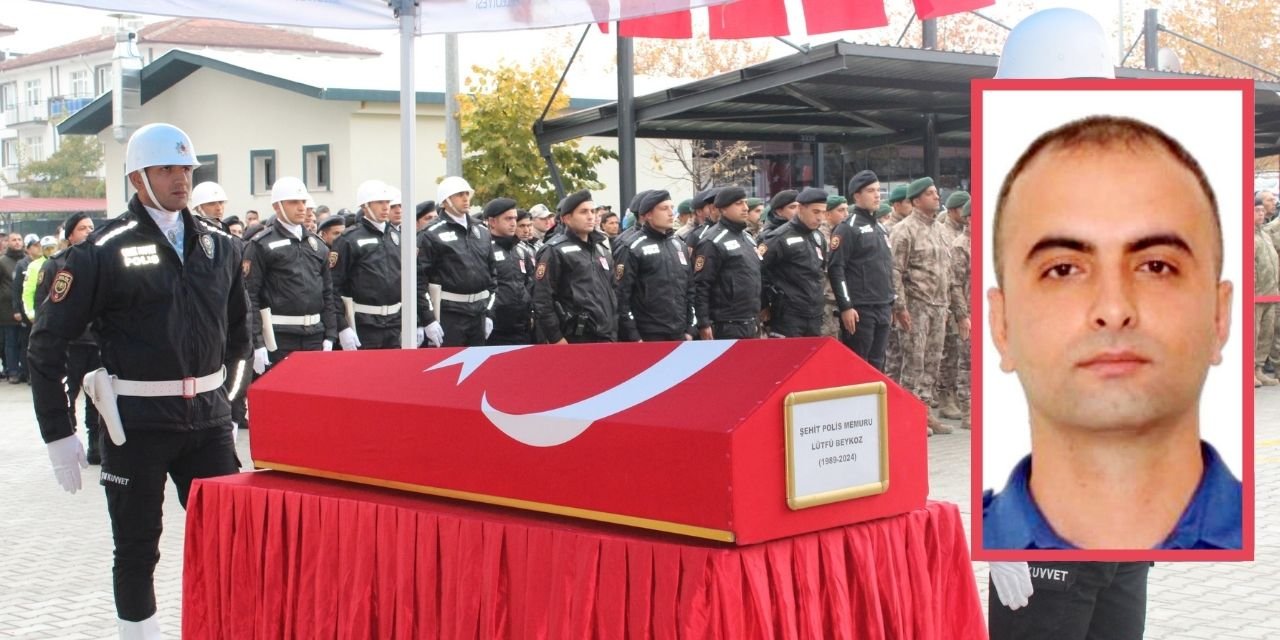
x: 1101, y: 132
x: 606, y: 215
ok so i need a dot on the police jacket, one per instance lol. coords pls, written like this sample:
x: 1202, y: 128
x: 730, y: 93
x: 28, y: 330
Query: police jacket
x: 513, y: 304
x: 459, y: 259
x: 792, y: 270
x: 48, y: 271
x: 696, y: 232
x: 365, y: 267
x: 654, y: 285
x: 291, y: 277
x: 726, y: 275
x: 8, y: 269
x: 574, y: 282
x: 860, y: 265
x: 772, y: 224
x: 157, y: 317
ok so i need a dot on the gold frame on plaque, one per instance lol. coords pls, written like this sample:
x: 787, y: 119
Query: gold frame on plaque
x: 848, y: 493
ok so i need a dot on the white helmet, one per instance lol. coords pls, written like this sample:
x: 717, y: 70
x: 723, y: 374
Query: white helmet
x: 48, y: 242
x: 451, y: 186
x: 371, y: 191
x: 206, y: 192
x: 157, y: 145
x: 311, y: 202
x: 393, y: 195
x: 288, y: 188
x: 1056, y: 43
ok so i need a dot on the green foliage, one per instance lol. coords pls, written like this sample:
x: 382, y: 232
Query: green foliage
x: 67, y: 173
x: 497, y: 115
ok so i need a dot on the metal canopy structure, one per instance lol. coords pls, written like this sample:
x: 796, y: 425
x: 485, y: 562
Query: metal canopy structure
x: 861, y: 96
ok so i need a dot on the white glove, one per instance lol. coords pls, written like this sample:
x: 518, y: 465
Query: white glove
x: 488, y: 327
x: 347, y: 338
x: 260, y: 360
x: 435, y: 333
x: 235, y: 433
x: 1012, y: 581
x: 67, y: 456
x: 422, y: 336
x: 326, y: 345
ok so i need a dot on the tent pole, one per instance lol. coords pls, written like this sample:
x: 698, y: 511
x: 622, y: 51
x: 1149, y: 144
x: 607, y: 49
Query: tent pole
x: 408, y: 13
x: 626, y: 122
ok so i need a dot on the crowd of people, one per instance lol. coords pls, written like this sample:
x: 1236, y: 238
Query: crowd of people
x: 1266, y: 282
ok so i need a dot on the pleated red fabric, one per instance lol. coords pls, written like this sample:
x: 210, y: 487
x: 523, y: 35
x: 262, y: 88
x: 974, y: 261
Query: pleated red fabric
x: 275, y: 556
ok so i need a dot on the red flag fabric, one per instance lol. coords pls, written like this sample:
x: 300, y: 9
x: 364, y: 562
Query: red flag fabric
x: 828, y: 16
x: 668, y: 25
x: 927, y: 9
x: 749, y: 19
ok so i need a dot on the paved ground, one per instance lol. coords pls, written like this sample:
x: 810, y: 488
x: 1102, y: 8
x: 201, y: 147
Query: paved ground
x: 55, y: 572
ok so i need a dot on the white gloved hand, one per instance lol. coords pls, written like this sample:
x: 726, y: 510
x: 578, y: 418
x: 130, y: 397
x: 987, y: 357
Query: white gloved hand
x: 326, y: 345
x: 260, y: 360
x: 235, y: 433
x: 488, y: 327
x: 421, y: 334
x: 67, y: 456
x: 435, y: 334
x: 347, y: 338
x: 1012, y: 581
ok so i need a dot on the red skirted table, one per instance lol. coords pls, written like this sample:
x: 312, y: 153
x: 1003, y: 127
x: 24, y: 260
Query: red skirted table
x: 270, y: 555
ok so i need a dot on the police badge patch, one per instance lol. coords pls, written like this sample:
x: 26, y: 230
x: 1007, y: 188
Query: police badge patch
x: 542, y: 271
x: 245, y: 266
x: 618, y: 271
x: 333, y: 259
x: 699, y: 263
x: 315, y: 244
x: 61, y: 286
x: 206, y: 243
x: 835, y: 242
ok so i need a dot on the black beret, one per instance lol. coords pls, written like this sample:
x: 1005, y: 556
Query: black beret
x: 635, y: 201
x: 73, y: 220
x: 729, y: 195
x: 652, y: 199
x: 812, y: 195
x: 704, y: 197
x: 784, y: 198
x: 331, y: 221
x: 230, y: 220
x: 572, y: 201
x: 424, y: 207
x: 860, y: 180
x: 498, y: 206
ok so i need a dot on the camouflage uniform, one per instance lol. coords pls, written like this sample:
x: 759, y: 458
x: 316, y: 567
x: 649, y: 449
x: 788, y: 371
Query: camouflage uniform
x: 1271, y: 354
x: 1266, y: 282
x: 960, y: 291
x: 946, y: 383
x: 830, y: 311
x: 920, y: 282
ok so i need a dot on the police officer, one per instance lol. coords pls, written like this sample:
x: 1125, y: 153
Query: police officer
x: 165, y: 296
x: 726, y: 274
x: 782, y: 208
x: 706, y: 215
x: 209, y: 200
x: 573, y: 297
x: 286, y: 268
x: 365, y: 265
x: 455, y: 253
x: 514, y: 265
x: 426, y: 213
x: 794, y: 262
x: 861, y: 273
x: 330, y: 228
x: 655, y: 299
x: 630, y: 232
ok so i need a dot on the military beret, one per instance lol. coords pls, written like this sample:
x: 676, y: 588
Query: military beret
x: 573, y: 201
x: 835, y: 201
x: 424, y: 207
x: 636, y: 200
x: 783, y: 198
x: 498, y: 206
x: 331, y: 221
x: 812, y: 195
x: 754, y: 202
x: 860, y: 180
x: 957, y: 199
x: 884, y: 210
x: 704, y: 197
x: 898, y: 194
x: 918, y: 187
x: 73, y: 220
x: 652, y: 199
x: 729, y: 195
x: 967, y: 209
x: 686, y: 206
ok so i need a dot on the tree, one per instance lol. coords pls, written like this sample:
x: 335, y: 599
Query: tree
x: 704, y: 163
x: 694, y: 58
x: 497, y: 115
x: 1242, y: 28
x: 67, y: 173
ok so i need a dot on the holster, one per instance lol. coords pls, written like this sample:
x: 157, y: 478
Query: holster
x: 97, y: 385
x: 268, y: 331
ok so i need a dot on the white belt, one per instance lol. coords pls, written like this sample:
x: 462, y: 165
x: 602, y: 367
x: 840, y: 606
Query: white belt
x: 377, y: 310
x: 299, y: 321
x: 464, y: 297
x: 185, y: 388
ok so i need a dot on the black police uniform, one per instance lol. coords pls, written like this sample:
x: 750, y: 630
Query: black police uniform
x: 573, y: 295
x: 861, y: 273
x: 290, y: 276
x: 460, y: 259
x: 157, y: 318
x: 365, y: 268
x: 1076, y: 601
x: 513, y: 305
x: 655, y: 296
x: 726, y: 281
x: 82, y: 357
x: 792, y: 270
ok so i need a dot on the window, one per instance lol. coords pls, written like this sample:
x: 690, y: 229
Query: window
x: 9, y: 96
x: 207, y: 171
x: 33, y: 148
x: 33, y: 92
x: 9, y: 152
x: 262, y: 171
x: 101, y: 79
x: 80, y: 84
x: 315, y: 167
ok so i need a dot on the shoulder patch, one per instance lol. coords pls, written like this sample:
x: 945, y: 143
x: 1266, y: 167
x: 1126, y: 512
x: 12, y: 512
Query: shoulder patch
x: 542, y: 271
x: 333, y: 259
x: 618, y: 271
x: 699, y: 263
x: 245, y: 267
x: 61, y: 286
x: 835, y: 242
x: 762, y: 249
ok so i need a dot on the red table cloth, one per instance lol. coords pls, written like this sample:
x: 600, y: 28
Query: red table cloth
x: 269, y: 555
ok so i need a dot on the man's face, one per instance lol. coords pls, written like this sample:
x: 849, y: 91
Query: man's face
x: 610, y: 226
x: 663, y: 216
x: 1269, y: 202
x: 33, y: 251
x: 171, y: 185
x: 736, y: 212
x: 396, y: 214
x: 754, y: 213
x: 837, y: 215
x: 543, y: 223
x: 15, y: 241
x: 902, y: 208
x: 811, y: 214
x: 503, y: 226
x: 293, y: 211
x: 1110, y: 318
x: 236, y: 230
x: 82, y: 231
x: 378, y: 210
x: 788, y: 212
x: 460, y: 203
x: 310, y: 221
x: 956, y: 215
x: 1259, y: 214
x: 330, y: 233
x: 524, y: 229
x: 927, y: 202
x: 868, y: 197
x: 581, y: 220
x: 251, y: 217
x: 213, y: 210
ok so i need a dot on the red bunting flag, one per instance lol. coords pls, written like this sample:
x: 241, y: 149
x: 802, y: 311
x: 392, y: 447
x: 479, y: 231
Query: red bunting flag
x: 749, y: 19
x: 927, y: 9
x: 829, y: 16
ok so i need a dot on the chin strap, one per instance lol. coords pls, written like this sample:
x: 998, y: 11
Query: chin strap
x: 146, y: 184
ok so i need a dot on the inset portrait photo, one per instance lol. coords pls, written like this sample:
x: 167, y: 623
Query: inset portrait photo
x: 1111, y: 420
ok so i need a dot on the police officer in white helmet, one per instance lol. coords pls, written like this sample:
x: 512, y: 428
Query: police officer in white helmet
x: 365, y: 269
x: 455, y: 254
x: 208, y: 199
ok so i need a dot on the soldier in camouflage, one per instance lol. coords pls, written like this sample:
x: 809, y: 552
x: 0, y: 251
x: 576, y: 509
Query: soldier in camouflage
x: 960, y: 289
x: 837, y: 211
x: 899, y: 209
x: 1266, y: 278
x: 951, y: 224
